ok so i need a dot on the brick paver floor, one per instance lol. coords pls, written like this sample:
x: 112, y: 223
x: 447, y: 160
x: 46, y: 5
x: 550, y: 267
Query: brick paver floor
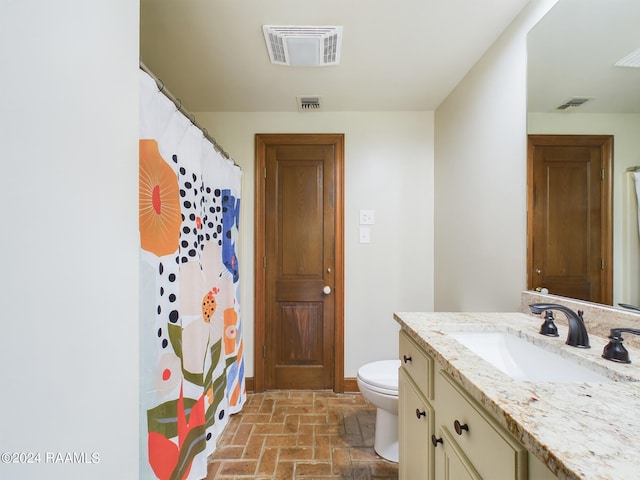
x: 300, y: 435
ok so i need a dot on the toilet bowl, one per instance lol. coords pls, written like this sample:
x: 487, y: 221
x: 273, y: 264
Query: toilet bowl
x: 378, y: 383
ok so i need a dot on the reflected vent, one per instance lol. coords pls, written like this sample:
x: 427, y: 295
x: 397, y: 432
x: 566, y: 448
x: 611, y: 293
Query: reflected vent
x: 309, y: 104
x: 632, y: 60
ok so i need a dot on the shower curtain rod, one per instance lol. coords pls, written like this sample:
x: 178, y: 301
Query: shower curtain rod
x: 176, y: 101
x: 633, y: 169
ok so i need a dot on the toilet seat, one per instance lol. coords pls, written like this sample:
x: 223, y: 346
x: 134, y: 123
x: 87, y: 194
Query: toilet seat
x: 381, y: 376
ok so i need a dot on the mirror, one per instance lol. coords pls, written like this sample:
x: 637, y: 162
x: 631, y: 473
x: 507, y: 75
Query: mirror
x: 571, y: 54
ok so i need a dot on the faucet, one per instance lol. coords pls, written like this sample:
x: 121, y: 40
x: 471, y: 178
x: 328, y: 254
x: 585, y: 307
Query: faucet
x: 614, y: 350
x: 578, y: 336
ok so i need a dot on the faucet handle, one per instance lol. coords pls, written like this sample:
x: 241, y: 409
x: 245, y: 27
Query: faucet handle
x: 615, y: 350
x: 549, y: 328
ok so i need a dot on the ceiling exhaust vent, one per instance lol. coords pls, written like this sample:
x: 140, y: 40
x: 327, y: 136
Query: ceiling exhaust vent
x: 303, y: 46
x: 573, y: 103
x: 309, y: 104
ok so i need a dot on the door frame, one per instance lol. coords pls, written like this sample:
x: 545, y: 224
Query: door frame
x: 261, y: 143
x: 605, y: 143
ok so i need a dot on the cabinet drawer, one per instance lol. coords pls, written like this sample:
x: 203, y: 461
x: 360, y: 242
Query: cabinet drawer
x: 417, y: 364
x: 494, y: 453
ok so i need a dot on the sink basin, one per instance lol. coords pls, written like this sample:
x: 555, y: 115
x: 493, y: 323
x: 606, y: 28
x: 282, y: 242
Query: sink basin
x: 523, y: 360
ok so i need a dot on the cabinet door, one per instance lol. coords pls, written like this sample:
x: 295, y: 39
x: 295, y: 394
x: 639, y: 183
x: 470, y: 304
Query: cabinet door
x: 416, y: 422
x: 494, y: 453
x: 450, y: 461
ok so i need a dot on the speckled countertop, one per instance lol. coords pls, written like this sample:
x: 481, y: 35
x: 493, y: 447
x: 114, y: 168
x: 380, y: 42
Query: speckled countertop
x: 579, y: 430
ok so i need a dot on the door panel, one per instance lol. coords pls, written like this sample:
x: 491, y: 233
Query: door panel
x: 570, y: 216
x: 300, y: 236
x: 300, y: 335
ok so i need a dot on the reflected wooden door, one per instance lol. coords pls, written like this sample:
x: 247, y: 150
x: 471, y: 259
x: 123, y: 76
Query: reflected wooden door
x: 299, y: 246
x: 569, y: 215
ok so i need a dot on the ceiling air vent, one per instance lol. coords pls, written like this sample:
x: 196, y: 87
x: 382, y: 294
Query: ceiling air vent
x: 573, y: 103
x: 303, y: 46
x: 309, y: 104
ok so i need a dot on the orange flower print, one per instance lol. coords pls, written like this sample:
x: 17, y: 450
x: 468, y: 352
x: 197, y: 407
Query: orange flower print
x: 230, y: 330
x: 209, y: 304
x: 159, y: 208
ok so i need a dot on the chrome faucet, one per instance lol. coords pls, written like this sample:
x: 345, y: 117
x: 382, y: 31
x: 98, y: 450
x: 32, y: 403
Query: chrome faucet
x: 614, y: 350
x: 577, y: 336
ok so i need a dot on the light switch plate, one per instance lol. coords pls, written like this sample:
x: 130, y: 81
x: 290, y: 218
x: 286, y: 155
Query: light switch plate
x: 367, y: 217
x: 364, y: 235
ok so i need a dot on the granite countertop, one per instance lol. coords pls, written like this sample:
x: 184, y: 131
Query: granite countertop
x: 579, y: 430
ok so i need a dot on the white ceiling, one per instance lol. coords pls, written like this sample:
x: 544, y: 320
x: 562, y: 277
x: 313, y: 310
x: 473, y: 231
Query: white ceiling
x: 571, y: 53
x: 396, y: 56
x: 212, y: 54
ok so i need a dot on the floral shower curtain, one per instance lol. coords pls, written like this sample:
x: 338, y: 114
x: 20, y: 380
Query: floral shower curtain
x: 191, y: 349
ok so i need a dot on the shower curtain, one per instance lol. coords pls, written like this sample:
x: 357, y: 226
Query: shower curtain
x: 191, y: 348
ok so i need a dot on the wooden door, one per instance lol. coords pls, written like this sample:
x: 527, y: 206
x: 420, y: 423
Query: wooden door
x: 570, y: 216
x: 299, y: 262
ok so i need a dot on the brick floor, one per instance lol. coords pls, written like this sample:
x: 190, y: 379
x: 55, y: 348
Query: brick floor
x: 300, y: 435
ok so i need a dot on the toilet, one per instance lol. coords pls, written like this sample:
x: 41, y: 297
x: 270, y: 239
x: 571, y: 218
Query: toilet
x: 378, y: 383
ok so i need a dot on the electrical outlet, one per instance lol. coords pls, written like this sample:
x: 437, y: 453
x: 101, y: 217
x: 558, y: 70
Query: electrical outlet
x: 367, y: 217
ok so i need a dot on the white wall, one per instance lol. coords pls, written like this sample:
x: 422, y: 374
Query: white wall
x: 69, y: 349
x: 480, y: 171
x: 626, y: 153
x: 389, y: 169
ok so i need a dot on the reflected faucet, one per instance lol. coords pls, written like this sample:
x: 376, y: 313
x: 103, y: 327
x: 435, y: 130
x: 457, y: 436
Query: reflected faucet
x: 577, y: 336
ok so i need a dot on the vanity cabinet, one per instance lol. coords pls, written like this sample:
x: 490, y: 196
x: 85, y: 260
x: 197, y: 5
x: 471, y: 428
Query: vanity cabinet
x: 444, y: 434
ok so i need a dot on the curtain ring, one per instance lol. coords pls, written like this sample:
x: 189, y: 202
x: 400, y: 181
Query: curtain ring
x: 160, y: 85
x: 178, y: 104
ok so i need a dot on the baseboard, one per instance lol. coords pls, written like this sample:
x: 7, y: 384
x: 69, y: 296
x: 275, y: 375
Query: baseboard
x: 250, y: 384
x: 351, y: 385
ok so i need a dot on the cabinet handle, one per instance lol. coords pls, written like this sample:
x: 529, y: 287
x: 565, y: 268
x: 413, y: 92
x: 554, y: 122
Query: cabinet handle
x: 459, y: 427
x: 406, y: 359
x: 435, y: 440
x: 420, y: 414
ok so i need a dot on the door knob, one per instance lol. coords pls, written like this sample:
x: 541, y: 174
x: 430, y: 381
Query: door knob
x: 326, y: 290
